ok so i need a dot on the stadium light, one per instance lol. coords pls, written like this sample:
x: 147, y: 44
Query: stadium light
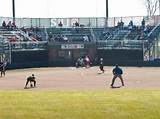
x: 159, y: 6
x: 106, y: 8
x: 106, y: 13
x: 13, y: 9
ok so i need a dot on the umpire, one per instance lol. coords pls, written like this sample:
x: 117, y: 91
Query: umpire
x: 31, y: 79
x: 117, y: 72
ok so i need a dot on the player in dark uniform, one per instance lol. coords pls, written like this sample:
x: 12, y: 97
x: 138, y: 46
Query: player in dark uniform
x: 101, y: 65
x: 80, y: 62
x: 3, y: 68
x: 31, y: 79
x: 117, y: 72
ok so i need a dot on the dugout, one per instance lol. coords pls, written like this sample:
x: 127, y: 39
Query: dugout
x: 67, y: 54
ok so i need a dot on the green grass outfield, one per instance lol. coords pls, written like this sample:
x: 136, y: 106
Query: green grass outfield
x: 108, y: 104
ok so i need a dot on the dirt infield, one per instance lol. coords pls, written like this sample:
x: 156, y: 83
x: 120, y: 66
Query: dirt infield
x: 70, y: 78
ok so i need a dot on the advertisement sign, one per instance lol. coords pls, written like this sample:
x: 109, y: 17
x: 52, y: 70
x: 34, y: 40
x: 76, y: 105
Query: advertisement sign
x: 72, y: 46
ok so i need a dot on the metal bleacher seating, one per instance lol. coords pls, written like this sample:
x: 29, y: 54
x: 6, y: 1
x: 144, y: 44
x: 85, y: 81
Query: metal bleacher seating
x: 76, y: 34
x: 19, y: 40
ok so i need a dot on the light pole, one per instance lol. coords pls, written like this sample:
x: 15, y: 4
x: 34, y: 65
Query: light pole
x: 106, y: 8
x: 13, y: 10
x: 159, y: 6
x: 106, y: 13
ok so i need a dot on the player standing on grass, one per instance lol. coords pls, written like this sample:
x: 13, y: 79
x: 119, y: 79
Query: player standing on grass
x: 117, y: 72
x: 31, y: 79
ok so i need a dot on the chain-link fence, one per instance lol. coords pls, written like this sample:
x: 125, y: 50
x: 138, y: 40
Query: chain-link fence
x: 84, y: 22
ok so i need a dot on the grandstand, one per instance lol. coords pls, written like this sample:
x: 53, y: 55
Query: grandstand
x: 40, y: 42
x: 5, y: 50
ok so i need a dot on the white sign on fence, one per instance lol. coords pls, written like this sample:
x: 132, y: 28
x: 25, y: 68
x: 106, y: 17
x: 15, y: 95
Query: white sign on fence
x: 72, y: 46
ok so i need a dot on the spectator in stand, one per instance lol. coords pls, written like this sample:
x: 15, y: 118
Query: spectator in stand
x: 147, y: 29
x: 9, y: 25
x: 143, y: 24
x: 65, y: 38
x: 121, y: 24
x: 50, y: 36
x: 130, y: 25
x: 77, y: 24
x: 85, y: 38
x: 4, y: 24
x: 118, y: 24
x: 60, y: 24
x: 13, y: 25
x: 141, y: 36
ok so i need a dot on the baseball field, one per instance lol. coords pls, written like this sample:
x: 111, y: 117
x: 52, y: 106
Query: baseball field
x: 70, y: 93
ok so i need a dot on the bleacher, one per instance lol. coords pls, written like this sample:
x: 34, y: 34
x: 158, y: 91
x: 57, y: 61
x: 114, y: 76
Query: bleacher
x: 75, y: 34
x: 134, y: 35
x: 4, y: 49
x: 114, y: 38
x: 106, y: 37
x: 19, y: 40
x: 111, y: 37
x: 120, y: 34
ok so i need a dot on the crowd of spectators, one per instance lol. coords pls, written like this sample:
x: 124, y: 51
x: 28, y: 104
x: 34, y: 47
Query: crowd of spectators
x: 130, y: 31
x: 9, y: 26
x: 108, y: 34
x: 69, y: 38
x: 75, y: 24
x: 36, y: 34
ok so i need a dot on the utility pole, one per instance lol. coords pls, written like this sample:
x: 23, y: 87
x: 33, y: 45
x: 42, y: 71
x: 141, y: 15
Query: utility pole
x: 106, y: 8
x: 159, y: 6
x: 13, y: 10
x: 106, y: 13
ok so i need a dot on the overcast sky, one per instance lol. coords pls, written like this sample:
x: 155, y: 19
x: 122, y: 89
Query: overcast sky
x: 72, y: 8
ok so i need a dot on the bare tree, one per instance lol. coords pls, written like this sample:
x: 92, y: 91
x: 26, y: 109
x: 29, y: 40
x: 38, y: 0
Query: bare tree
x: 152, y: 6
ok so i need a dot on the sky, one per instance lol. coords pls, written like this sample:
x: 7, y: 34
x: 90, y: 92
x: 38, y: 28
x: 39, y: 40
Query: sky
x: 72, y: 8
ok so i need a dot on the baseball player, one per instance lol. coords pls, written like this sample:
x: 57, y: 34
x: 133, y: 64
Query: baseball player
x: 3, y: 68
x: 101, y: 65
x: 31, y: 79
x: 117, y: 72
